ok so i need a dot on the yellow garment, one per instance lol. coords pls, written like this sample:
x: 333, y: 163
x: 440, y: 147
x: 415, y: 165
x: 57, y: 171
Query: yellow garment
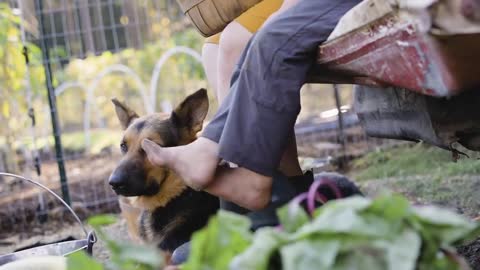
x: 253, y: 18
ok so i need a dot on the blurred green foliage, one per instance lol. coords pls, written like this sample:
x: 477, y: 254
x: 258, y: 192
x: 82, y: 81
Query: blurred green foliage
x: 123, y: 256
x: 13, y: 71
x: 75, y: 141
x: 180, y: 76
x: 14, y: 83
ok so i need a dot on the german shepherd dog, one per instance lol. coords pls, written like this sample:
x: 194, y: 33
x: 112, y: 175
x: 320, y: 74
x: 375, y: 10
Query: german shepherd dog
x: 170, y: 210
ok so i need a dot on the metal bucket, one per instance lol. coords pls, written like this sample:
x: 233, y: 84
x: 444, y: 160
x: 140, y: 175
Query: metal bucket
x: 57, y: 249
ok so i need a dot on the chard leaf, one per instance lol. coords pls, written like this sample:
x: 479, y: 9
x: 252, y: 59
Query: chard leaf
x: 356, y: 260
x: 345, y: 221
x: 393, y: 208
x: 355, y: 203
x: 309, y: 254
x: 81, y: 261
x: 292, y: 217
x: 403, y: 251
x: 349, y: 234
x: 257, y: 257
x: 213, y: 247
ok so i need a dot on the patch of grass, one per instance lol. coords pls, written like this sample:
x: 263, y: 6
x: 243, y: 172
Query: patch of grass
x: 412, y: 160
x: 425, y: 174
x: 459, y: 193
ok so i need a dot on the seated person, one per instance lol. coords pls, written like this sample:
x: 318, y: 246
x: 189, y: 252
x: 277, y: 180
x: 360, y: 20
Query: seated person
x: 253, y: 124
x: 222, y: 51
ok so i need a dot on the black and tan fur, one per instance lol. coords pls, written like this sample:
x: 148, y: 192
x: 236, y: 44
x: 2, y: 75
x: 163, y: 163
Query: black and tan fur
x: 170, y: 211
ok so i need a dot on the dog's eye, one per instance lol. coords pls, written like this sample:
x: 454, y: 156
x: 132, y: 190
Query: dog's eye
x: 123, y: 147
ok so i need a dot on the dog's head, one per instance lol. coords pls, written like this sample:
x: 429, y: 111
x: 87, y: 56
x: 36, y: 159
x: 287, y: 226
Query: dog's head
x: 135, y: 175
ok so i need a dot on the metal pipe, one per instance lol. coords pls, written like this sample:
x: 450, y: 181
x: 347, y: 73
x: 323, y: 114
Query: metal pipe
x: 34, y: 157
x: 159, y: 65
x: 116, y: 68
x: 341, y: 135
x: 53, y: 105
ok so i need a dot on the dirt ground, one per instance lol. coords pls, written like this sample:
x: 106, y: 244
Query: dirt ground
x: 117, y: 231
x: 22, y: 224
x: 471, y: 252
x: 88, y: 182
x: 20, y: 204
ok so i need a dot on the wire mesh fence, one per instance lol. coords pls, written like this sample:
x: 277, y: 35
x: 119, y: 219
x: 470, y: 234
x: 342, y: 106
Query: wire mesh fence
x: 78, y: 49
x: 88, y: 51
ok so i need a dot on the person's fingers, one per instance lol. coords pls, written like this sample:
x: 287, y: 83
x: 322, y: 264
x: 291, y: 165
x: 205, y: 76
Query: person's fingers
x: 152, y: 150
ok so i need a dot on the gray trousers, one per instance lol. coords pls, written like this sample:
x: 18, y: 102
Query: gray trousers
x: 253, y: 124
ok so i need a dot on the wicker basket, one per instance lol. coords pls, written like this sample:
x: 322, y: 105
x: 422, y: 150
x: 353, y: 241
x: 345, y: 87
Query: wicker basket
x: 211, y: 16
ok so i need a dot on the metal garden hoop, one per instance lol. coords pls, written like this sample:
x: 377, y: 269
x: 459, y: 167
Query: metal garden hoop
x: 59, y: 249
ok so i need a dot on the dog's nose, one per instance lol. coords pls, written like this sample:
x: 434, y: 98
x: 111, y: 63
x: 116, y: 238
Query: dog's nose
x: 116, y: 181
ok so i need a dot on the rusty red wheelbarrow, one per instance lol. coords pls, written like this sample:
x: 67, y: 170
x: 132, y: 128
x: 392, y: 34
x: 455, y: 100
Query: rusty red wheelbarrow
x: 416, y: 64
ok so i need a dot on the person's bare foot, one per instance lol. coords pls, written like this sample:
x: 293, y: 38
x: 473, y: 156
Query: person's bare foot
x: 195, y: 163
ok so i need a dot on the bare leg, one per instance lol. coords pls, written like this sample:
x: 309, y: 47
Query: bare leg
x: 196, y: 164
x: 242, y: 187
x: 254, y: 127
x: 233, y: 41
x: 289, y: 164
x: 219, y: 60
x: 209, y: 61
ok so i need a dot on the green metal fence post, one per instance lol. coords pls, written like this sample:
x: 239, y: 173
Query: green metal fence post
x: 53, y: 104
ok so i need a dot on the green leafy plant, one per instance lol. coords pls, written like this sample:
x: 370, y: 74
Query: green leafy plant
x: 13, y: 82
x: 214, y: 247
x: 354, y: 233
x: 124, y: 256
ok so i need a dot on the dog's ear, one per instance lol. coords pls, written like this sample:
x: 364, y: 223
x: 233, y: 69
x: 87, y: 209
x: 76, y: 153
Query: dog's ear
x: 124, y: 113
x: 192, y: 111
